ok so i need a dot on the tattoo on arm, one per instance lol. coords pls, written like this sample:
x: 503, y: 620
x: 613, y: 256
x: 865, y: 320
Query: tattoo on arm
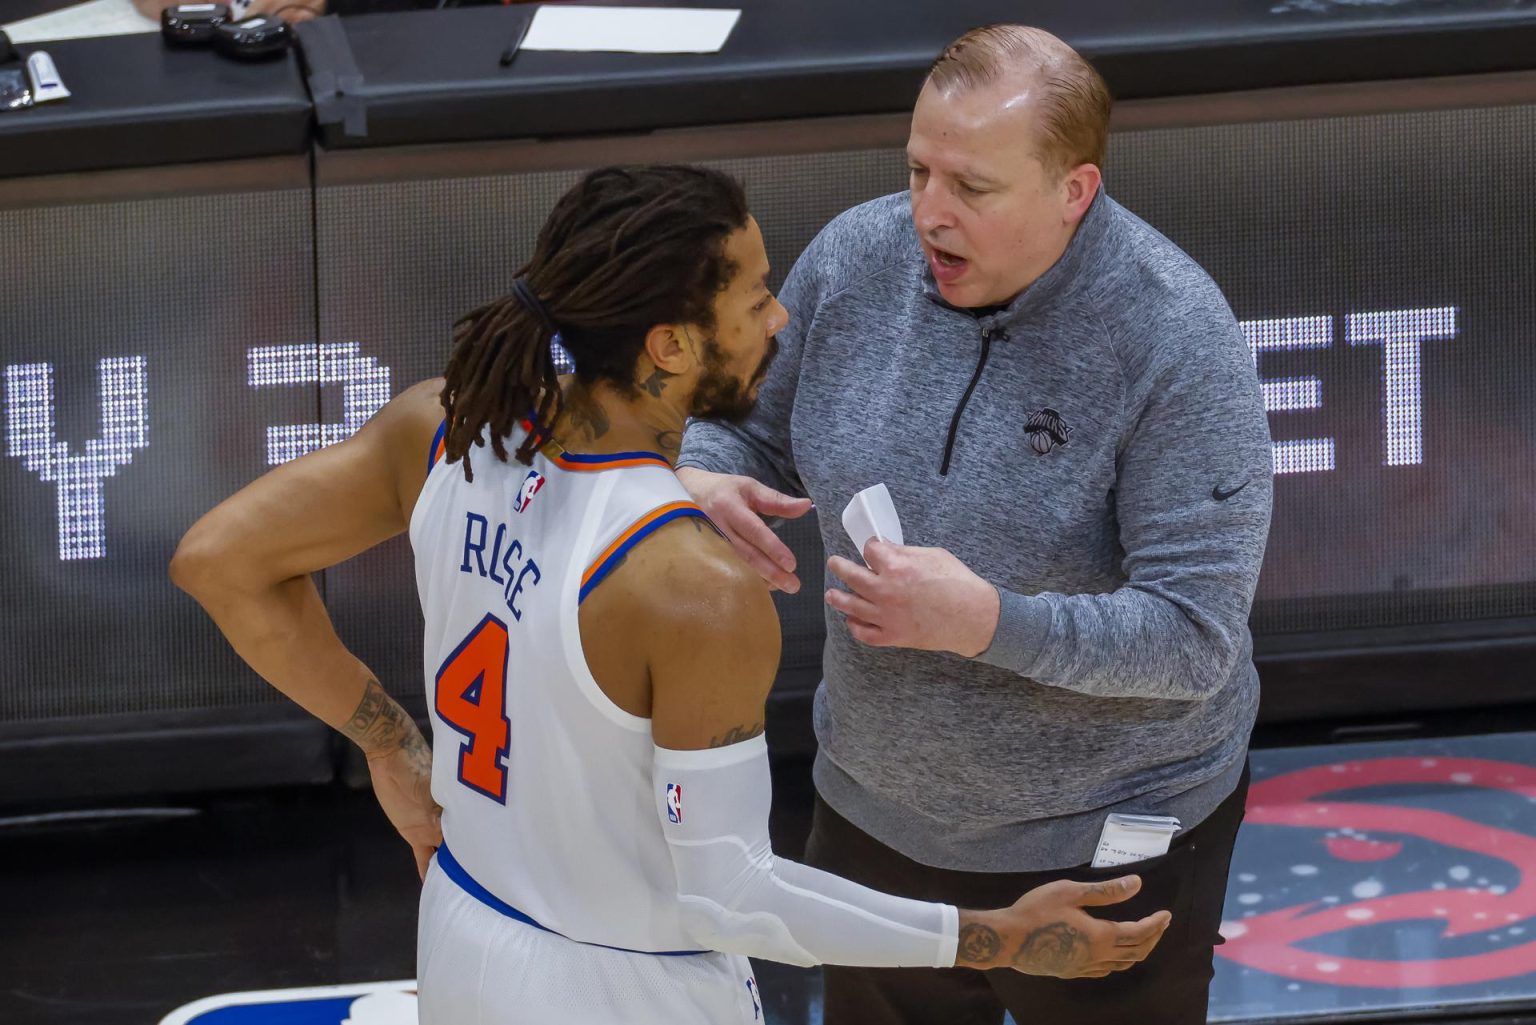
x: 1051, y: 949
x: 736, y: 734
x: 380, y: 724
x: 979, y: 945
x: 656, y: 382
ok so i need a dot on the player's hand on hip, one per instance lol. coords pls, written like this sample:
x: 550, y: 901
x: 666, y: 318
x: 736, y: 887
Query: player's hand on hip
x: 402, y: 781
x: 908, y: 597
x: 737, y: 506
x: 1047, y: 932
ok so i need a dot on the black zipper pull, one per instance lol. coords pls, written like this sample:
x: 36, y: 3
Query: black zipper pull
x: 954, y: 423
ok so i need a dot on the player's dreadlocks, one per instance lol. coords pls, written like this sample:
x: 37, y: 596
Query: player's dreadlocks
x: 625, y: 249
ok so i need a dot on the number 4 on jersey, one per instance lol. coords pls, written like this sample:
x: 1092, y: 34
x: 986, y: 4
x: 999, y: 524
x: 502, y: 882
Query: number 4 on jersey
x: 471, y: 697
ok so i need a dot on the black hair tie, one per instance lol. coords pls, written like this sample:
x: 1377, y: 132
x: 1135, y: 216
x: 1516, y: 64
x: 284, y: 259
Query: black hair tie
x: 523, y: 292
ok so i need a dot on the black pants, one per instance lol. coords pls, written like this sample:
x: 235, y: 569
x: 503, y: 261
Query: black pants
x: 1170, y: 988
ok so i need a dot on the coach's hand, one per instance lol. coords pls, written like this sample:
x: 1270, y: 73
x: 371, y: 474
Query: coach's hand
x: 402, y: 781
x: 1047, y: 932
x: 737, y: 506
x: 923, y: 598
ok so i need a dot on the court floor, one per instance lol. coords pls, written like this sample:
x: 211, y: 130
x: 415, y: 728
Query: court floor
x: 1390, y: 882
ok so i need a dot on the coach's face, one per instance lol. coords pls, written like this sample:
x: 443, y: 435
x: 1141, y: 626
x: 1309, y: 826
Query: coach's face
x: 991, y: 215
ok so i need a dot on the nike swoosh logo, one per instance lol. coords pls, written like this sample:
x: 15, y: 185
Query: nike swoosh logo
x: 1221, y: 496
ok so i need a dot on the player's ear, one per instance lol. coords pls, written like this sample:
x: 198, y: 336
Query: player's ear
x: 669, y: 348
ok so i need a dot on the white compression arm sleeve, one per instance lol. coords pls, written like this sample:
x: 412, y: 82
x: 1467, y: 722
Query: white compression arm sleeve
x: 738, y: 898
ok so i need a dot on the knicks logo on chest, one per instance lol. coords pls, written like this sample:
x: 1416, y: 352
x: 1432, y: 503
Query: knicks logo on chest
x: 1046, y: 430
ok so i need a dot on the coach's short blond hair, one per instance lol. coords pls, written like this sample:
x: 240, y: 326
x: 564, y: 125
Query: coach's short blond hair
x: 1073, y: 102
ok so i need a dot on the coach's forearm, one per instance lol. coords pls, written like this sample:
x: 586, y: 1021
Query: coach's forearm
x: 725, y: 448
x: 284, y: 633
x: 1129, y: 643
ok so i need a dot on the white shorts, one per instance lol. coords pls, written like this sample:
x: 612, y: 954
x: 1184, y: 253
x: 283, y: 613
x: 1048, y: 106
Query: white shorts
x: 475, y: 966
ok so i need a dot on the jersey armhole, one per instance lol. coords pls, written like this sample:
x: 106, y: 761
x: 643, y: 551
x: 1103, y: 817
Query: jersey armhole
x: 435, y: 453
x: 610, y: 557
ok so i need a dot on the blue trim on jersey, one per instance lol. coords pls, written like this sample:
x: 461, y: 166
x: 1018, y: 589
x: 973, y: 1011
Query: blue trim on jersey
x: 437, y: 439
x: 612, y: 457
x: 612, y: 562
x: 453, y: 870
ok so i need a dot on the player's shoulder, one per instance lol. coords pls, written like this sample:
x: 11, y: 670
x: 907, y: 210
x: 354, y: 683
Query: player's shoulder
x: 403, y: 436
x: 687, y: 573
x: 420, y: 406
x: 408, y: 423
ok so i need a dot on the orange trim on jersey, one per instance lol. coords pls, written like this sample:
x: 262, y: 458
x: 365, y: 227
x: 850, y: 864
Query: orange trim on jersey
x: 644, y: 525
x: 439, y: 446
x: 617, y: 461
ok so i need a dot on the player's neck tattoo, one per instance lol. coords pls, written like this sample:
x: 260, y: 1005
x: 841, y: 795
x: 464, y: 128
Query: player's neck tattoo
x: 586, y: 415
x: 657, y: 382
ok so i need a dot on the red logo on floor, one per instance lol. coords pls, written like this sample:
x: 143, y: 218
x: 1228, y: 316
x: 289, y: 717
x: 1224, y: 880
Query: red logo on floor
x: 1472, y: 922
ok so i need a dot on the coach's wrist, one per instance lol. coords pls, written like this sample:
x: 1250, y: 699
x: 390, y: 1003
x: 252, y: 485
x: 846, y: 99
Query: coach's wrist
x: 1022, y: 627
x: 975, y: 631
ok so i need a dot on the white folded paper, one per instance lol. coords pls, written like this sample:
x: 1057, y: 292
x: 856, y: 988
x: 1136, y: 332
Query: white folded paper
x: 587, y: 29
x: 871, y: 513
x: 90, y: 19
x: 1127, y: 839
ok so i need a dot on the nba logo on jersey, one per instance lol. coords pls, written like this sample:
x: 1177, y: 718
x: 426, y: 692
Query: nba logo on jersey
x: 675, y: 802
x: 531, y: 485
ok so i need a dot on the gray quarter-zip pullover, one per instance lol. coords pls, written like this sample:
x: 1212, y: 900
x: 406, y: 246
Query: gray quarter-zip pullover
x: 1097, y: 449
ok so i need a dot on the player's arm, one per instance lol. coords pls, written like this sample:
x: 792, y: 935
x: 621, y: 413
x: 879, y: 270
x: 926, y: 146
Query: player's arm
x: 249, y: 562
x: 712, y: 660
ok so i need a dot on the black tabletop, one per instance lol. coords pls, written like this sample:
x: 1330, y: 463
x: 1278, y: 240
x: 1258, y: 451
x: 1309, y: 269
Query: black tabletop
x: 17, y: 10
x: 135, y: 102
x: 434, y: 76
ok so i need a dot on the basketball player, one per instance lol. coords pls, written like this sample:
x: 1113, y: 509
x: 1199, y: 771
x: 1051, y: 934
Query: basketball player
x: 597, y: 658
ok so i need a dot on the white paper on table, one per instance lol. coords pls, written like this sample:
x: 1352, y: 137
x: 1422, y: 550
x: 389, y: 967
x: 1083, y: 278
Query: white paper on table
x: 869, y: 514
x: 586, y: 29
x: 82, y: 21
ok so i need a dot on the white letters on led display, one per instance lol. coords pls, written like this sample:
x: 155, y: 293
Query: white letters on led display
x: 1289, y: 394
x: 365, y: 390
x: 79, y: 478
x: 1402, y: 334
x: 564, y: 364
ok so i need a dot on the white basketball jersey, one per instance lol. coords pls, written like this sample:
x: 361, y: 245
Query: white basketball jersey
x: 545, y: 784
